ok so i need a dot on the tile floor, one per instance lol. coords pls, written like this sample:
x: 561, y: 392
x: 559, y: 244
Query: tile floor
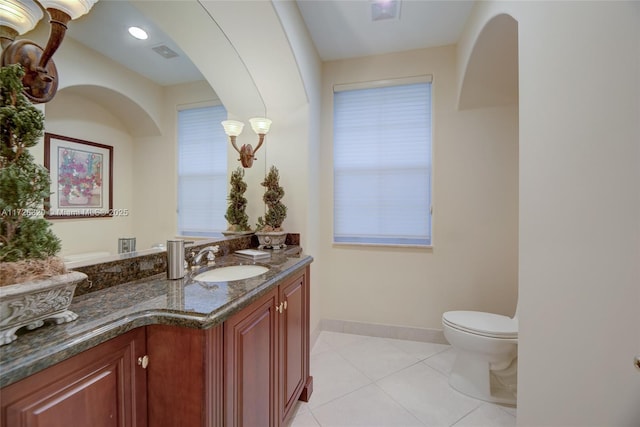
x: 367, y: 381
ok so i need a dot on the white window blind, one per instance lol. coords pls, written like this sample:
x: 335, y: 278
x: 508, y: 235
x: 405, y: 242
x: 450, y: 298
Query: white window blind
x: 202, y: 171
x: 382, y: 165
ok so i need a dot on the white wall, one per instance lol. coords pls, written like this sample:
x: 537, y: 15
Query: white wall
x: 580, y: 221
x: 579, y: 248
x: 473, y: 263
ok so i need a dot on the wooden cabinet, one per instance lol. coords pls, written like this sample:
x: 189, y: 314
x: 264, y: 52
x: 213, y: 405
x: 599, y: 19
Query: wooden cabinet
x: 294, y: 344
x: 267, y: 356
x: 248, y: 371
x: 185, y: 377
x: 101, y: 387
x: 251, y: 339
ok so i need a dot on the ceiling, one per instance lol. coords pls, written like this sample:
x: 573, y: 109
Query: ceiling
x: 345, y: 29
x: 105, y: 30
x: 339, y: 29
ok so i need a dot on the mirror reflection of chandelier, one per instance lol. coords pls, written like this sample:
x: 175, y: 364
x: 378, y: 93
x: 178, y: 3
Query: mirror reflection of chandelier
x: 18, y: 17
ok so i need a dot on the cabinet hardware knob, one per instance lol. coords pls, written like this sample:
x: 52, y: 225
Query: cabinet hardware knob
x: 143, y: 361
x: 285, y: 304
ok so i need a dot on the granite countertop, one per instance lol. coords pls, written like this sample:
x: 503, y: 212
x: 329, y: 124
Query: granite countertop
x: 110, y: 312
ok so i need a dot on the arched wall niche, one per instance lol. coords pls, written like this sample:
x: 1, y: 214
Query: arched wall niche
x: 488, y: 82
x: 490, y: 77
x: 134, y: 117
x: 83, y: 114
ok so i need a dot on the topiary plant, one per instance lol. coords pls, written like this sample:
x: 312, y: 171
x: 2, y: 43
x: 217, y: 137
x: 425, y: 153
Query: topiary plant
x: 236, y: 211
x: 276, y: 210
x: 24, y: 185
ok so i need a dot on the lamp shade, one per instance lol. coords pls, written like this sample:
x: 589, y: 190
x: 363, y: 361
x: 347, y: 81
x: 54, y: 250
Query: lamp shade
x: 20, y: 15
x: 232, y: 127
x: 260, y: 125
x: 73, y: 8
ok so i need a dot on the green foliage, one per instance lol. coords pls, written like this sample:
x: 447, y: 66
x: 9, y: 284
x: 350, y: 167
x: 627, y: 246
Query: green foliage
x: 21, y: 124
x: 276, y: 210
x: 236, y: 211
x: 32, y: 240
x: 23, y: 184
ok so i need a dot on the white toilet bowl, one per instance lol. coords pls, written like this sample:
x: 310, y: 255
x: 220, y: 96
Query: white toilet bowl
x: 486, y: 348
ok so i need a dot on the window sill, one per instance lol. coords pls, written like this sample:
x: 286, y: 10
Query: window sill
x: 383, y: 245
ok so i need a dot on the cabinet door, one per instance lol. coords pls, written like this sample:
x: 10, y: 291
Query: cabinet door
x: 250, y: 338
x: 101, y: 387
x: 293, y: 342
x: 184, y: 376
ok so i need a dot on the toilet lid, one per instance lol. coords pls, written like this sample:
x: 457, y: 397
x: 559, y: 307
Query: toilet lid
x: 486, y: 324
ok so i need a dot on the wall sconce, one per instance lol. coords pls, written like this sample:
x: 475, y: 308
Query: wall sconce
x: 233, y: 128
x: 20, y: 16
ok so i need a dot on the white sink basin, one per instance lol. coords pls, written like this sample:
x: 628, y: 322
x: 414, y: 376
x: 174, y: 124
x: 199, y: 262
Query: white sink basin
x: 232, y: 272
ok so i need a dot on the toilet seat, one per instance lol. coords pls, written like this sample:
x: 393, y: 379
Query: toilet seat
x: 484, y: 324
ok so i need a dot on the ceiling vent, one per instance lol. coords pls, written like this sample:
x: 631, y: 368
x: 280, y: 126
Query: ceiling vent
x: 385, y: 9
x: 165, y: 51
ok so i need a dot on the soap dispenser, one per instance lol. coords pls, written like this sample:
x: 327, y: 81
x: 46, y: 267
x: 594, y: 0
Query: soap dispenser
x: 175, y: 259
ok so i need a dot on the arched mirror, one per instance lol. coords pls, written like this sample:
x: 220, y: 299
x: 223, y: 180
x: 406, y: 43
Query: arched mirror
x: 125, y: 93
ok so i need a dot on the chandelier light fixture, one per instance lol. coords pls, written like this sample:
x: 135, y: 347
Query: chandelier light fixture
x: 20, y: 16
x: 233, y: 128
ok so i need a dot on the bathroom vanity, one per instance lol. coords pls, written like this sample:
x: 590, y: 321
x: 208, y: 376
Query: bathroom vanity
x: 159, y: 352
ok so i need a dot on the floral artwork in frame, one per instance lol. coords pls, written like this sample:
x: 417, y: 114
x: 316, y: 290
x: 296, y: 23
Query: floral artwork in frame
x: 81, y: 177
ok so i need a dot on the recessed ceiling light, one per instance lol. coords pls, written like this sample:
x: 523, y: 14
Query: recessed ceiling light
x: 385, y: 9
x: 138, y: 33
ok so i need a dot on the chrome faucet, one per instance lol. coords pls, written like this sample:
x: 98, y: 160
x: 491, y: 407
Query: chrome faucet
x: 194, y: 260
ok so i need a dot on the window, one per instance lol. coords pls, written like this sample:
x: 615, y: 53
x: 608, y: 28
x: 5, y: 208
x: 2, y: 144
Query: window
x: 382, y: 163
x: 202, y: 171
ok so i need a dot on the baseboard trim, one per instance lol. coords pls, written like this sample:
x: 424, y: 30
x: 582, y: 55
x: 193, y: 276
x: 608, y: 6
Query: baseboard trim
x: 381, y: 331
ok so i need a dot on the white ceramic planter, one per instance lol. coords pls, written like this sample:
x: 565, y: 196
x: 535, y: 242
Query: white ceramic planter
x: 29, y: 304
x: 272, y: 239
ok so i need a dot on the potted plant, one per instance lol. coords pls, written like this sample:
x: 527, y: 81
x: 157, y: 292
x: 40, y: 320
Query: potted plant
x: 34, y: 283
x: 269, y: 229
x: 236, y: 214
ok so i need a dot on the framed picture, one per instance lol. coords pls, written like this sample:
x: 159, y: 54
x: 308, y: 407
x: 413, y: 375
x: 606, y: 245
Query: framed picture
x: 81, y: 177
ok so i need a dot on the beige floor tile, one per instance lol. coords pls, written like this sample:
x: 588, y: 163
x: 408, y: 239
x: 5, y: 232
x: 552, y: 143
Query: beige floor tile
x: 377, y: 357
x: 487, y: 415
x: 421, y: 350
x: 442, y: 362
x: 427, y: 395
x: 367, y: 381
x: 368, y: 406
x: 333, y: 377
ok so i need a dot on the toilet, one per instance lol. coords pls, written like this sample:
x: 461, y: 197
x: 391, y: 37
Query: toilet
x: 486, y: 346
